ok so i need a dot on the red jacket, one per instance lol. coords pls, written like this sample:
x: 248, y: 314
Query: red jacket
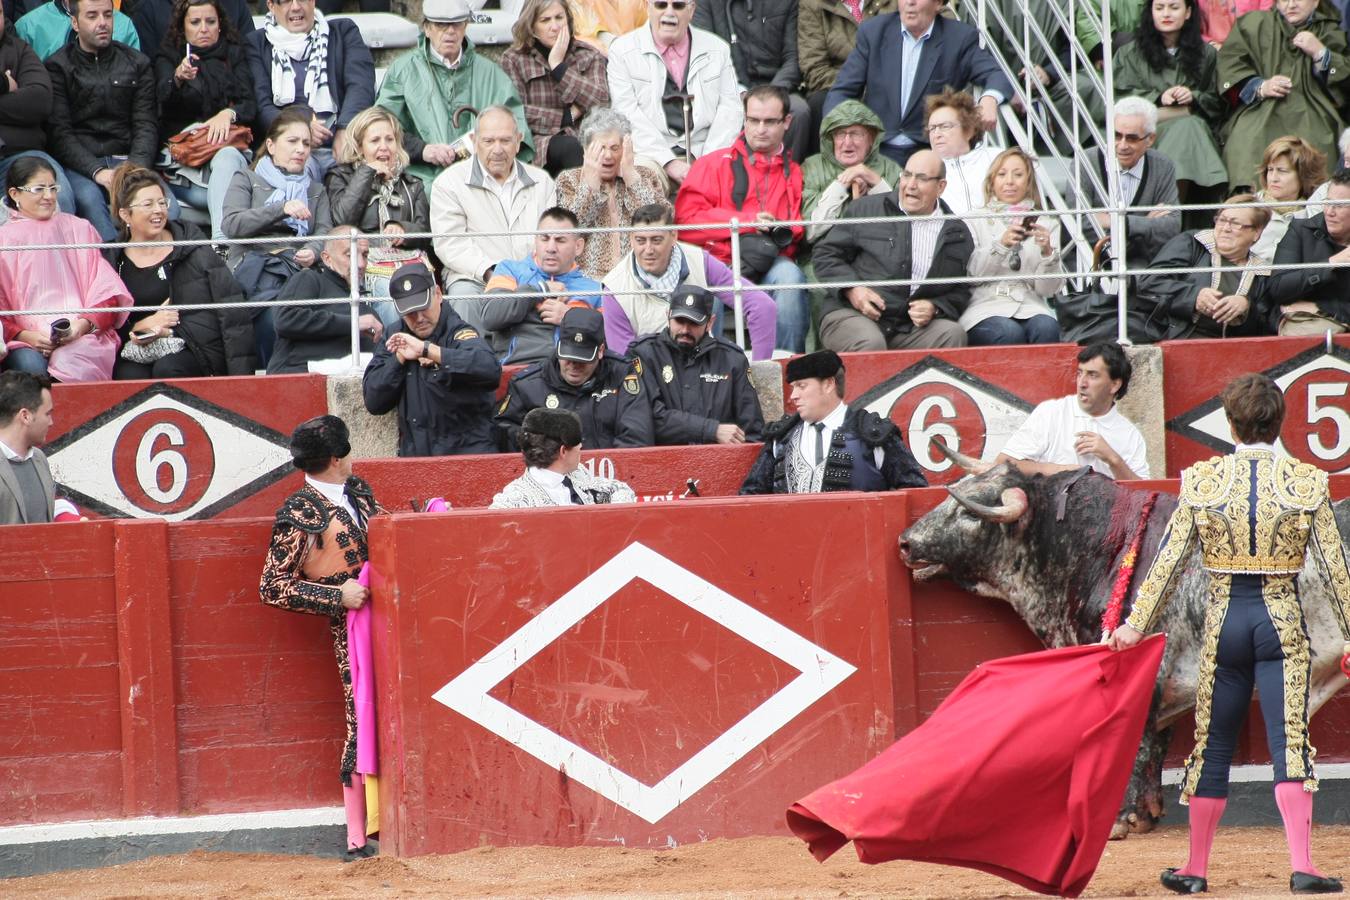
x: 772, y: 184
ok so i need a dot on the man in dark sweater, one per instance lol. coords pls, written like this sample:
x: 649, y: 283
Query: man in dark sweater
x: 25, y: 104
x: 27, y: 494
x: 306, y: 333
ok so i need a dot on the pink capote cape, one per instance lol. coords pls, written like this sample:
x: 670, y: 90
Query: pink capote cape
x: 1218, y: 16
x: 61, y: 279
x: 1019, y: 773
x: 359, y: 657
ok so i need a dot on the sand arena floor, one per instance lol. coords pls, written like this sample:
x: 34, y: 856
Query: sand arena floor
x: 1247, y: 862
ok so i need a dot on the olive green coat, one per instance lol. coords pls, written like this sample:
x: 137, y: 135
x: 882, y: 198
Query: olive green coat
x: 825, y: 37
x: 1259, y: 47
x: 1186, y: 140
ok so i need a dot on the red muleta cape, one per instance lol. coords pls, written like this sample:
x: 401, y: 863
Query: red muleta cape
x: 1019, y: 773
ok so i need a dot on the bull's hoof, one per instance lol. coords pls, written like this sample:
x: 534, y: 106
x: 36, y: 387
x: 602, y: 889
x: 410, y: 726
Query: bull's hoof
x: 1183, y: 884
x: 1120, y: 831
x: 1305, y: 883
x: 1142, y: 824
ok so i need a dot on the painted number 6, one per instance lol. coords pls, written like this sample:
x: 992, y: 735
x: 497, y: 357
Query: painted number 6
x: 1335, y: 411
x: 921, y: 430
x: 149, y: 462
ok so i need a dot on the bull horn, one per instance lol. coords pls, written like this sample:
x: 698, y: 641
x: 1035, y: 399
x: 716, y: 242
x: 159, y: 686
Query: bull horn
x: 1014, y: 506
x: 970, y: 464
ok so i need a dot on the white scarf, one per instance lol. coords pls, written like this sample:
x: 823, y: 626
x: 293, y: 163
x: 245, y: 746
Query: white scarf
x: 664, y: 284
x: 287, y: 47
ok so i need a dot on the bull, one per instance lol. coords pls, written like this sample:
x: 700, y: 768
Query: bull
x: 1051, y: 546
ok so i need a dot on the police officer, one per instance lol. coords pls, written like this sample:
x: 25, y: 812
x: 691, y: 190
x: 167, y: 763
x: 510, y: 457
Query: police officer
x: 605, y: 391
x: 825, y: 447
x: 437, y: 370
x: 699, y: 383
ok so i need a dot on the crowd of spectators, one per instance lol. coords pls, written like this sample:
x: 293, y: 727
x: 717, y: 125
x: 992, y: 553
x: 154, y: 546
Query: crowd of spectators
x: 637, y: 116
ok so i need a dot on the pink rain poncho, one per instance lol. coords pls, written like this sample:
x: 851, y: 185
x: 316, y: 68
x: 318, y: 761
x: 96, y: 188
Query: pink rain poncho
x: 40, y: 280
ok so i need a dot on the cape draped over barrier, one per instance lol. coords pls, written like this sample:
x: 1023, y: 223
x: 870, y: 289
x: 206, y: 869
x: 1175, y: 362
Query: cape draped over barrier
x: 1019, y: 773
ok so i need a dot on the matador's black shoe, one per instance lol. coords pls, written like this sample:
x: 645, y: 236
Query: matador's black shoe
x: 365, y: 852
x: 1304, y: 883
x: 1183, y: 884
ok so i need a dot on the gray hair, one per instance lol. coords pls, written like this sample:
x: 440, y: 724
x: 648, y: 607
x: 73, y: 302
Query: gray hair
x: 498, y: 109
x: 1138, y: 106
x: 1343, y: 144
x: 604, y: 120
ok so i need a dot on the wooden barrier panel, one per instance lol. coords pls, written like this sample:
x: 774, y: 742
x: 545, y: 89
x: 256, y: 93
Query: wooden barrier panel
x: 1316, y: 384
x: 633, y: 675
x: 972, y: 398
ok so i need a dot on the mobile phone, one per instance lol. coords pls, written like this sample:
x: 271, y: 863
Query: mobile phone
x: 1028, y: 222
x: 142, y: 335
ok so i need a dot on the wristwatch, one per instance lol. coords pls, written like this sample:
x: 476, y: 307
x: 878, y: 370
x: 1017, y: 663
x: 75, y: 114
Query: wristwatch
x: 426, y: 350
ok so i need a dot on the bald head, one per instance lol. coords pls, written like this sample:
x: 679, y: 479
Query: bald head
x: 921, y: 183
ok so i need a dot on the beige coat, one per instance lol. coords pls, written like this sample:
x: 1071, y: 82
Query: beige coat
x: 1010, y: 299
x: 463, y: 205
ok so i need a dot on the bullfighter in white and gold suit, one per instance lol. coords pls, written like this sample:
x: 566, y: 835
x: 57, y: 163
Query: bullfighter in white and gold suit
x: 1255, y: 513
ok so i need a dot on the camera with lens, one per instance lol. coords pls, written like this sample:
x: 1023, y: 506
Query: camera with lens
x: 781, y: 235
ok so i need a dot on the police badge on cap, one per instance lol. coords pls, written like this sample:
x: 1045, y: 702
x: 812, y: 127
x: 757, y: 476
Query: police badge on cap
x: 582, y: 334
x: 410, y: 288
x: 692, y: 303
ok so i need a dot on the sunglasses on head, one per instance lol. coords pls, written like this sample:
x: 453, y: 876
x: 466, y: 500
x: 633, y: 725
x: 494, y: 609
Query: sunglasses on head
x: 677, y: 5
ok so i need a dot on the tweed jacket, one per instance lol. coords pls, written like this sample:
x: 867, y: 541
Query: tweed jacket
x: 583, y: 83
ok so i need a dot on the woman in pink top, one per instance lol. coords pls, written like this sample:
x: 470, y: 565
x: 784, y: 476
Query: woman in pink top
x: 79, y: 347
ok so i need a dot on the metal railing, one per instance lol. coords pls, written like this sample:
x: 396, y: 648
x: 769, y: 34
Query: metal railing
x: 737, y: 229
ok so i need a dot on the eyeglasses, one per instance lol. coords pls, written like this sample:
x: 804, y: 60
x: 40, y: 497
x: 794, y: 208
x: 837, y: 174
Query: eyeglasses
x: 282, y: 4
x: 1130, y: 138
x: 440, y: 27
x: 906, y: 174
x: 150, y: 204
x: 941, y: 126
x: 39, y: 190
x: 1229, y: 222
x: 677, y: 5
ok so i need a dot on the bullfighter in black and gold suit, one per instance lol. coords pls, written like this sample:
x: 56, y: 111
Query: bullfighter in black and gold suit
x: 1255, y: 513
x: 317, y: 550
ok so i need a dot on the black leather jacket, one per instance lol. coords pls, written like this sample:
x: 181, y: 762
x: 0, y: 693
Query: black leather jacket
x: 102, y: 105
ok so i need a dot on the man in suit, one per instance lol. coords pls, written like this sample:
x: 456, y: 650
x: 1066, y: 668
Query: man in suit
x: 914, y: 245
x: 900, y: 58
x: 27, y: 494
x: 1147, y: 178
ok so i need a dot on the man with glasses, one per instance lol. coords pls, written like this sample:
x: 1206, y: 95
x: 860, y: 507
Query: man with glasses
x: 301, y: 56
x: 103, y: 111
x: 1147, y: 179
x: 436, y: 89
x: 678, y: 86
x: 755, y: 181
x: 1232, y: 302
x: 913, y: 246
x: 892, y: 69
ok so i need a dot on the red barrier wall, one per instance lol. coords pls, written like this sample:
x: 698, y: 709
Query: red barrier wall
x: 572, y: 698
x: 1316, y: 387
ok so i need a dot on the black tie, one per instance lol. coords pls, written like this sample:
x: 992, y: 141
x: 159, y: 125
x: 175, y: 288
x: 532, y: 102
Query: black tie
x: 576, y: 498
x: 820, y: 442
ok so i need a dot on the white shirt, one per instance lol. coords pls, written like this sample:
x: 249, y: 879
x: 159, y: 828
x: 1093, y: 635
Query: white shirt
x: 505, y: 190
x: 335, y: 494
x: 1047, y: 436
x: 1130, y: 180
x: 806, y: 438
x: 923, y: 238
x: 552, y: 483
x: 10, y: 454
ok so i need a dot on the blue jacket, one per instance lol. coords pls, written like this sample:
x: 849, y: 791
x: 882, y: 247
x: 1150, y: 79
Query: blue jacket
x: 951, y: 57
x: 351, y: 73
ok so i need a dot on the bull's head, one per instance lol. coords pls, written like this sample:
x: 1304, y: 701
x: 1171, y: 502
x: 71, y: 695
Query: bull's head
x: 959, y: 537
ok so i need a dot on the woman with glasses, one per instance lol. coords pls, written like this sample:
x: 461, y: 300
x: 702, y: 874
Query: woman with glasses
x: 1020, y: 240
x: 1169, y: 63
x: 158, y: 341
x: 1283, y: 71
x: 44, y: 285
x: 1291, y: 170
x: 202, y: 76
x: 1230, y: 302
x: 559, y: 78
x: 954, y: 132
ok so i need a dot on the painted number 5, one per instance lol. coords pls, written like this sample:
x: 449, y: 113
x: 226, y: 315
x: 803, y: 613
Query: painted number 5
x: 1335, y: 410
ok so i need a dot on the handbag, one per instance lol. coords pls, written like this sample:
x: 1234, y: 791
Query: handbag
x: 148, y: 353
x: 192, y: 148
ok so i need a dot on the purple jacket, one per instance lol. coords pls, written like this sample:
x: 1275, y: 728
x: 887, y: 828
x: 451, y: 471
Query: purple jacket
x: 761, y: 315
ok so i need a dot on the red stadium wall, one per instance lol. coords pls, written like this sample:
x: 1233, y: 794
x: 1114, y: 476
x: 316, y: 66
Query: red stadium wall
x: 141, y: 675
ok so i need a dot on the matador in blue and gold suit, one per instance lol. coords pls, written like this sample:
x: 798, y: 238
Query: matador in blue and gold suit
x: 1255, y: 514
